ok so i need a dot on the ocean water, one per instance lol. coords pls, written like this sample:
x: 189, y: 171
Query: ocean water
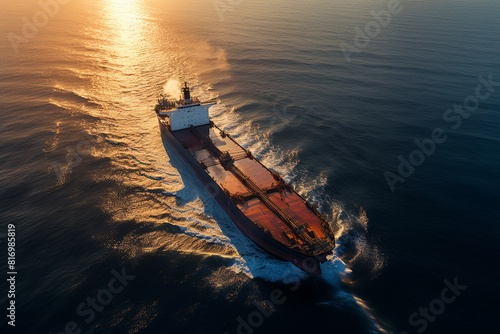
x: 114, y: 235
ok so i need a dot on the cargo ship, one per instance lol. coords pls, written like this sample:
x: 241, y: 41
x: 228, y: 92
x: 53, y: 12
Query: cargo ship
x: 259, y: 202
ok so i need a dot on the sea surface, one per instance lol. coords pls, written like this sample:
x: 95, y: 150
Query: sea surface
x: 113, y: 233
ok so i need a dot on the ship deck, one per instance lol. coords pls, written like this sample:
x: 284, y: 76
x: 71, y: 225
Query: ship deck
x: 258, y: 192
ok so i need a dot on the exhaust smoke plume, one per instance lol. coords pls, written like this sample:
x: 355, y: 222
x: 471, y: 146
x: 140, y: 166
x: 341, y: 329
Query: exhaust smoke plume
x: 172, y: 88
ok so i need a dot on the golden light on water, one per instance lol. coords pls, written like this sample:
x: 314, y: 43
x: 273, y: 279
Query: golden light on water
x: 124, y: 12
x: 123, y: 18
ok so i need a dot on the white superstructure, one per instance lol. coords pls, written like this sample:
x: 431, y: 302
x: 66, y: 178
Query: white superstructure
x: 186, y: 112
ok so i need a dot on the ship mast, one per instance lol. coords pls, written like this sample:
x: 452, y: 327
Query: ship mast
x: 186, y: 93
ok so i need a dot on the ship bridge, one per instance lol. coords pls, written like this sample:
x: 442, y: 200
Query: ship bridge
x: 185, y: 112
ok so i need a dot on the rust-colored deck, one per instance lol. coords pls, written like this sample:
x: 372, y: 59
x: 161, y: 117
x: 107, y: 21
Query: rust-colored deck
x: 260, y: 194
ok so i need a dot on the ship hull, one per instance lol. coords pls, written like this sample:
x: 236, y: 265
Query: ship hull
x: 310, y: 264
